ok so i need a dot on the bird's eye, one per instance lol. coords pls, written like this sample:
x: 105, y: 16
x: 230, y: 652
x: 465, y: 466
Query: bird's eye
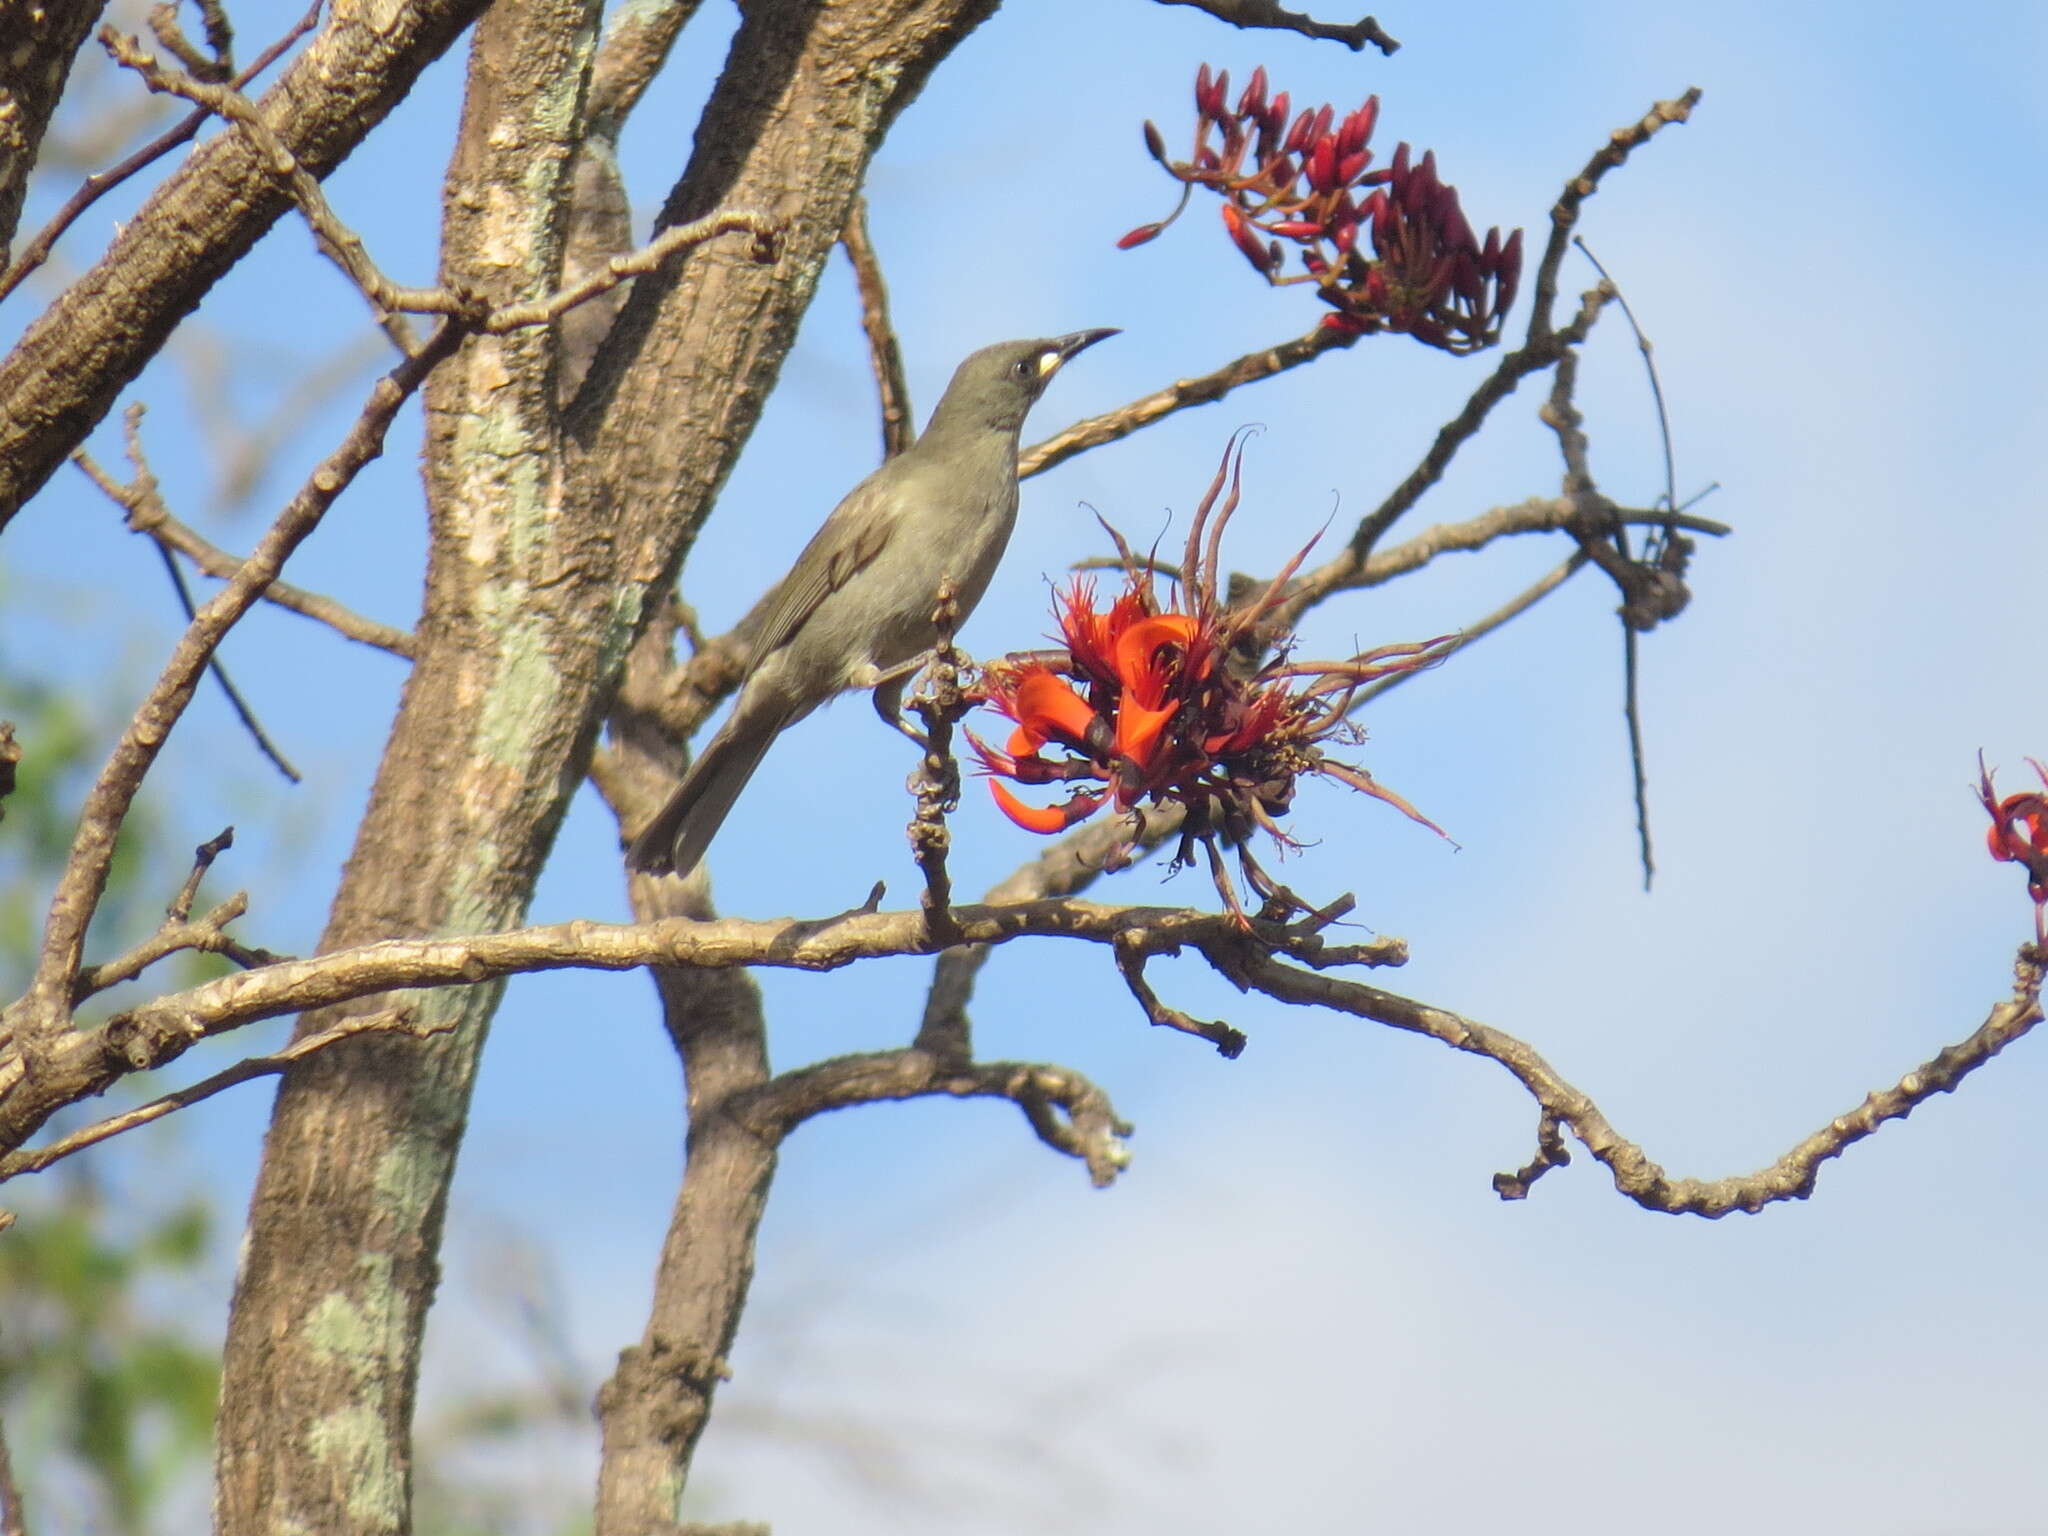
x: 1025, y: 368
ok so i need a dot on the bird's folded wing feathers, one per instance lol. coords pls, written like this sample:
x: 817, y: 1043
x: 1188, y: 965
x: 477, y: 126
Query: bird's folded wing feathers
x: 850, y: 539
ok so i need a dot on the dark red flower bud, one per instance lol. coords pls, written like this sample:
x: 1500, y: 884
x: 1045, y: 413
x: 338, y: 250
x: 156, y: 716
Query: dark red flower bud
x: 1276, y: 114
x: 1451, y: 218
x: 1139, y: 236
x: 1397, y: 173
x: 1322, y: 123
x: 1321, y: 165
x: 1510, y: 273
x: 1297, y: 136
x: 1314, y: 263
x: 1465, y: 281
x: 1218, y: 93
x: 1380, y: 212
x: 1155, y: 145
x: 1203, y: 80
x: 1489, y: 253
x: 1349, y: 166
x: 1253, y: 102
x: 1247, y: 239
x: 1295, y: 229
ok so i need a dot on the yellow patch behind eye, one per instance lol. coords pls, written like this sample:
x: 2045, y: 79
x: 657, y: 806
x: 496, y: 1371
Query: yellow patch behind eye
x: 1047, y: 361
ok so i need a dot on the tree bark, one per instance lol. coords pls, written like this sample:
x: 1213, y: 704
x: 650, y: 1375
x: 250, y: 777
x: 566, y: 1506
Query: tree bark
x: 541, y: 566
x: 342, y: 1258
x: 37, y: 47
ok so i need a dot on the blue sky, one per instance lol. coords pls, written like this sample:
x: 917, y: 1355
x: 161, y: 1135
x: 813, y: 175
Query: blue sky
x: 1303, y: 1308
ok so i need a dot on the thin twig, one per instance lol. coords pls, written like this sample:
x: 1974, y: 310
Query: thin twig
x: 899, y: 431
x: 1067, y: 1112
x: 236, y: 702
x: 143, y: 504
x: 1564, y: 216
x: 1178, y: 396
x: 202, y: 860
x: 100, y: 183
x: 1551, y: 1152
x: 390, y: 1021
x: 1267, y: 14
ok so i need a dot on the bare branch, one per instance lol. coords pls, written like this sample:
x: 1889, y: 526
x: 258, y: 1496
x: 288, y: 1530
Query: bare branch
x: 393, y: 1021
x: 1267, y: 14
x: 202, y: 860
x: 1086, y: 1126
x: 899, y: 431
x: 1538, y: 514
x: 1564, y: 215
x: 1453, y: 435
x: 1791, y: 1177
x: 618, y: 269
x: 1551, y: 1152
x: 1178, y: 396
x: 937, y: 779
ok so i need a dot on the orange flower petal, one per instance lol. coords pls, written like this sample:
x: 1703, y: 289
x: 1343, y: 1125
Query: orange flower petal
x: 1137, y: 654
x: 1045, y: 818
x: 1049, y: 710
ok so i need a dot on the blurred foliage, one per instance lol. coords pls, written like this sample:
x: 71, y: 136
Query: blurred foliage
x: 108, y: 1392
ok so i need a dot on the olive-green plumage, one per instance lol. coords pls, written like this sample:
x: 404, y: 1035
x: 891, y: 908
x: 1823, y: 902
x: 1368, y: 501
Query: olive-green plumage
x: 855, y: 611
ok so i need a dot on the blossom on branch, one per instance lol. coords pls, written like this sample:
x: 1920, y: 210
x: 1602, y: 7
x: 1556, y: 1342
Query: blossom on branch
x: 2019, y: 835
x: 1309, y: 180
x: 1188, y: 701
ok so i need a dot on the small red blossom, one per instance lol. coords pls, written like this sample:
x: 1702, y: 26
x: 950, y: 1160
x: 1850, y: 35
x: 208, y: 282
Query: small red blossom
x: 1309, y: 180
x: 2019, y: 835
x: 1154, y: 702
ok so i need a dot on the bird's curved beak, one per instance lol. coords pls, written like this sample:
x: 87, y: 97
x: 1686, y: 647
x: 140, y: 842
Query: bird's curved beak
x: 1078, y: 341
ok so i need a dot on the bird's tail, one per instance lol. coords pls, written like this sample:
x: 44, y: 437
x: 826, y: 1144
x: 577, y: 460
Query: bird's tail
x: 675, y: 840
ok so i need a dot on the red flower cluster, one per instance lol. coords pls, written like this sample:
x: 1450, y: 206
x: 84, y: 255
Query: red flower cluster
x: 2019, y: 835
x: 1155, y: 703
x: 1307, y: 181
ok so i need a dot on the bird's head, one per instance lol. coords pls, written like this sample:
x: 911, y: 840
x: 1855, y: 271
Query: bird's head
x: 995, y: 387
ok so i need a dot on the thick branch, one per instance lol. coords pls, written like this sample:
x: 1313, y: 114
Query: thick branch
x: 66, y: 372
x: 398, y: 1021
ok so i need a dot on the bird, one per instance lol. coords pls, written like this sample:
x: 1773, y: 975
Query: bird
x: 855, y: 611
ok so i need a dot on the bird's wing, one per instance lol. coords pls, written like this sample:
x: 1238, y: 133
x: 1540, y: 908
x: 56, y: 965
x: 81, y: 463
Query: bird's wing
x: 852, y: 536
